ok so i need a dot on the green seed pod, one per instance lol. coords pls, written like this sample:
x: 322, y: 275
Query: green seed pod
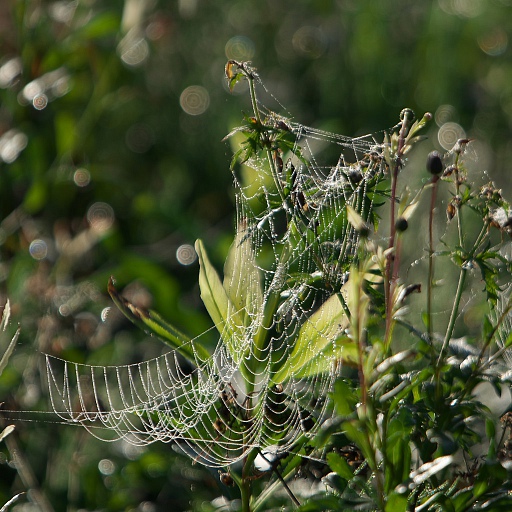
x: 401, y: 224
x: 434, y: 163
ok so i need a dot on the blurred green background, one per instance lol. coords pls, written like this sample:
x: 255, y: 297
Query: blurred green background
x: 112, y: 116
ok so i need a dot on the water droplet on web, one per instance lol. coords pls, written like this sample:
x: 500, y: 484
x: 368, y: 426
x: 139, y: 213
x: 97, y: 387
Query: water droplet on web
x: 38, y: 249
x: 186, y: 254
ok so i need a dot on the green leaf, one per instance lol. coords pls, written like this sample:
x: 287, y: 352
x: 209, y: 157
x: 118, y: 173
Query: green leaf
x: 396, y: 503
x: 487, y: 328
x: 104, y: 24
x: 325, y: 326
x: 242, y: 279
x: 65, y: 132
x: 152, y: 323
x: 339, y: 465
x: 6, y: 431
x: 6, y: 315
x: 345, y: 398
x: 224, y: 314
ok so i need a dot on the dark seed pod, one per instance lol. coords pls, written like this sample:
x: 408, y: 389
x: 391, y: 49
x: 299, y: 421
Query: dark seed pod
x: 355, y: 176
x: 401, y: 224
x: 434, y: 163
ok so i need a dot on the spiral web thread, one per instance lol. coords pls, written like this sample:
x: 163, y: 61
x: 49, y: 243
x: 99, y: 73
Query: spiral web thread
x: 294, y: 250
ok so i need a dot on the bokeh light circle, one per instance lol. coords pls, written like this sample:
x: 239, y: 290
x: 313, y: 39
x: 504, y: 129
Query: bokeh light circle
x: 309, y: 42
x: 106, y: 467
x: 139, y: 138
x: 135, y: 52
x: 38, y: 249
x: 186, y: 254
x: 100, y: 216
x: 240, y: 48
x: 82, y: 177
x: 449, y: 134
x: 494, y: 43
x: 445, y: 114
x: 39, y: 101
x: 195, y: 100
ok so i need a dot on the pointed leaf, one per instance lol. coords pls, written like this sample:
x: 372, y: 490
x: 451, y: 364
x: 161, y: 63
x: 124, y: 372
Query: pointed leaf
x: 6, y: 431
x: 340, y: 466
x: 224, y: 314
x: 325, y: 326
x: 152, y: 323
x: 242, y: 279
x: 6, y: 315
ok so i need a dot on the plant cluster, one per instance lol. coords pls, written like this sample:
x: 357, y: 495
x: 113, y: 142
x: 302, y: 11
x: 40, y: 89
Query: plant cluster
x: 404, y: 424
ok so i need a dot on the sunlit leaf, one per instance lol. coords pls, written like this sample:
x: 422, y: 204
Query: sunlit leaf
x: 429, y: 469
x: 6, y: 431
x: 326, y: 325
x: 225, y: 315
x: 152, y: 323
x: 242, y: 279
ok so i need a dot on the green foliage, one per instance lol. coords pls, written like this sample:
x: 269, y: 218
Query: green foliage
x: 114, y: 132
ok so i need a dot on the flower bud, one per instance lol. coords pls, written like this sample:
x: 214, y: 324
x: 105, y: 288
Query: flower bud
x: 434, y: 163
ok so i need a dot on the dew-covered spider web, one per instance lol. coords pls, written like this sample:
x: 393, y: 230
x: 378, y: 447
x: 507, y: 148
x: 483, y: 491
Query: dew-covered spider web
x: 279, y: 309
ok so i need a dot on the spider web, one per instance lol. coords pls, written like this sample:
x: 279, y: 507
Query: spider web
x: 285, y: 335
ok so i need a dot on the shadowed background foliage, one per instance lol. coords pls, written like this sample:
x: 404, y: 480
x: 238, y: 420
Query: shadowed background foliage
x: 112, y: 117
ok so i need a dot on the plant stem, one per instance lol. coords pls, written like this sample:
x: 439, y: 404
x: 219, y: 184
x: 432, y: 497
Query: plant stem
x: 265, y: 140
x: 390, y: 273
x: 245, y: 483
x: 453, y: 315
x: 435, y: 179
